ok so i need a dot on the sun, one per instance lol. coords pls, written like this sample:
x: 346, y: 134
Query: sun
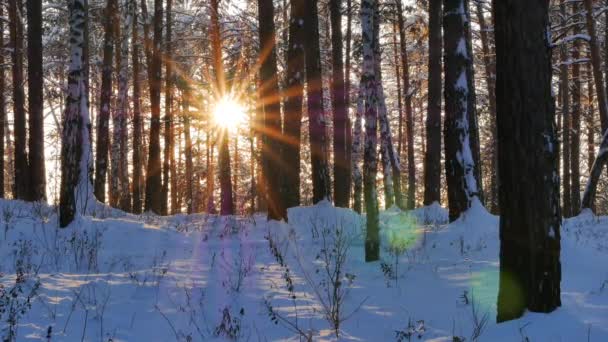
x: 228, y: 113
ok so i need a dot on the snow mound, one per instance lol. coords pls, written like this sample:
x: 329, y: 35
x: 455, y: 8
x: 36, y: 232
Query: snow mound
x: 433, y: 214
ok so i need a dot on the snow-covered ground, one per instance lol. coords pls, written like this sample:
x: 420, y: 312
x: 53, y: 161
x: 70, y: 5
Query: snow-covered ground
x: 118, y: 277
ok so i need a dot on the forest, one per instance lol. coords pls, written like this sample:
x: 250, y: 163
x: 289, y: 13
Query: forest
x: 303, y: 170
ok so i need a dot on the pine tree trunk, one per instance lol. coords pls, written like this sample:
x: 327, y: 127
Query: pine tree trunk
x: 409, y: 114
x: 188, y: 157
x: 432, y: 158
x: 153, y: 174
x: 271, y: 107
x: 565, y: 102
x: 3, y: 120
x: 340, y: 109
x: 530, y: 269
x: 459, y: 156
x: 105, y: 102
x: 321, y: 179
x: 293, y: 105
x: 137, y: 123
x: 37, y: 177
x: 590, y: 121
x: 347, y: 88
x: 575, y: 128
x: 76, y: 190
x: 596, y: 64
x: 21, y: 170
x: 490, y: 74
x: 370, y: 163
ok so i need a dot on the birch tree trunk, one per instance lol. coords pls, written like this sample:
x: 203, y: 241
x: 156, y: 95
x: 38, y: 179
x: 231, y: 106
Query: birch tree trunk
x: 76, y: 192
x: 3, y: 120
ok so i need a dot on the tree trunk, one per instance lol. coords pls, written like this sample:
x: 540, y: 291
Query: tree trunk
x: 137, y: 123
x: 432, y: 158
x: 293, y: 105
x: 590, y: 120
x: 340, y: 109
x: 21, y: 170
x: 594, y: 176
x: 76, y: 190
x: 321, y: 179
x: 37, y: 177
x: 3, y: 120
x: 530, y: 269
x: 409, y: 114
x: 347, y: 88
x: 596, y: 64
x: 370, y: 163
x: 271, y: 107
x: 153, y: 173
x: 459, y: 155
x: 357, y: 149
x: 490, y: 74
x: 575, y: 128
x: 188, y: 155
x: 169, y: 169
x: 105, y: 102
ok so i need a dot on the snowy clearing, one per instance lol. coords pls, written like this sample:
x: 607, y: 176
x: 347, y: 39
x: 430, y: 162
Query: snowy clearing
x: 118, y: 277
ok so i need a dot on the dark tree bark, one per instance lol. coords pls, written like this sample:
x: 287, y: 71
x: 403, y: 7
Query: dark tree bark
x: 409, y: 113
x: 76, y: 189
x: 432, y: 158
x: 347, y: 88
x: 105, y: 102
x: 459, y: 151
x: 293, y: 106
x: 490, y: 74
x: 188, y: 153
x: 530, y: 269
x: 590, y: 121
x: 153, y: 174
x: 271, y: 107
x: 321, y: 179
x: 37, y: 179
x: 596, y: 64
x: 21, y: 171
x: 575, y: 128
x: 2, y: 105
x: 340, y: 109
x: 565, y: 102
x: 137, y: 121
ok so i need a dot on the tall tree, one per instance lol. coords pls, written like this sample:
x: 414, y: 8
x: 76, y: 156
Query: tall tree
x: 530, y: 269
x: 432, y: 157
x: 137, y: 123
x: 120, y: 194
x: 340, y: 109
x: 271, y: 107
x: 292, y: 127
x: 2, y: 105
x: 37, y: 179
x: 169, y: 167
x: 490, y: 74
x: 105, y: 101
x: 21, y: 171
x: 409, y: 115
x: 370, y: 162
x: 459, y: 160
x: 226, y: 199
x: 321, y: 179
x: 76, y: 190
x: 153, y: 174
x: 565, y: 102
x: 575, y: 128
